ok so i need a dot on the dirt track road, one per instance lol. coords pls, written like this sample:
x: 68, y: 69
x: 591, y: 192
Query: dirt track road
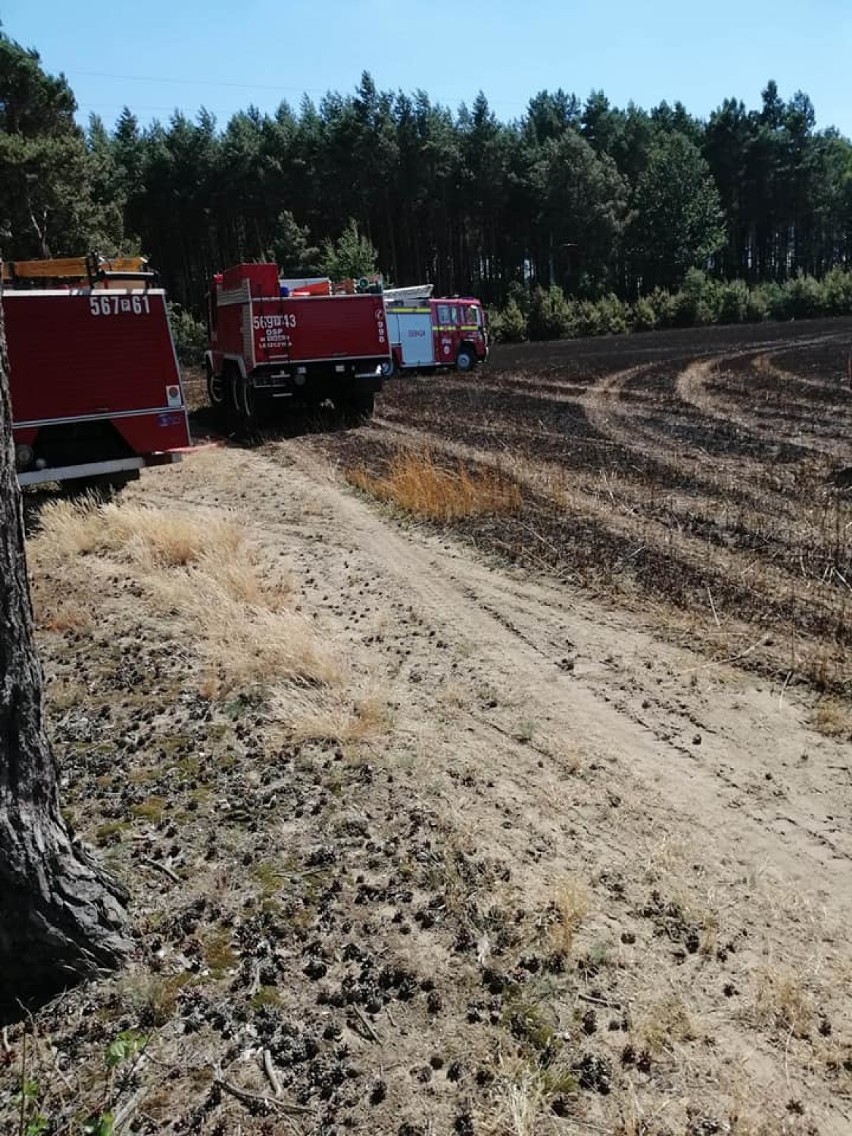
x: 558, y: 732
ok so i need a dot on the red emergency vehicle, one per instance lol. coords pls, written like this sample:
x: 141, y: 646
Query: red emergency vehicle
x: 274, y: 339
x: 426, y: 332
x: 95, y: 384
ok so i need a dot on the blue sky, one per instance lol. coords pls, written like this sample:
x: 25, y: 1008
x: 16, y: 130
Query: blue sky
x: 157, y: 56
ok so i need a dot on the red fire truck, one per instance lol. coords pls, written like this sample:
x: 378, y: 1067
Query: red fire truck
x: 427, y: 332
x: 274, y: 339
x: 95, y: 385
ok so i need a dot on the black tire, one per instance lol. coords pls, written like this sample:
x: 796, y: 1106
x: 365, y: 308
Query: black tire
x: 243, y: 405
x: 465, y: 361
x: 217, y: 395
x: 389, y: 368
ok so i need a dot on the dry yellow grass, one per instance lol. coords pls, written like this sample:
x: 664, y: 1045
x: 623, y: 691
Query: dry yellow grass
x: 571, y: 905
x: 784, y: 1004
x: 64, y: 616
x: 833, y: 718
x: 663, y: 1023
x: 520, y: 1100
x: 203, y: 576
x: 148, y: 538
x: 417, y: 484
x: 347, y: 722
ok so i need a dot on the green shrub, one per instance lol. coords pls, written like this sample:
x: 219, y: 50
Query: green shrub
x: 733, y: 301
x: 804, y: 297
x: 589, y: 320
x: 513, y: 323
x: 548, y: 314
x: 665, y: 306
x: 613, y: 315
x: 757, y: 305
x: 776, y: 300
x: 837, y: 292
x: 698, y: 301
x: 189, y: 334
x: 644, y: 317
x: 520, y: 294
x: 551, y: 316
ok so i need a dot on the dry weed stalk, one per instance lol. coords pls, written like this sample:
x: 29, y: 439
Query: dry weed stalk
x: 520, y: 1098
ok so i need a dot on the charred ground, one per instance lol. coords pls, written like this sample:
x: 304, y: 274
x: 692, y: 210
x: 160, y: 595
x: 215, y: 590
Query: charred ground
x: 699, y: 472
x: 482, y: 826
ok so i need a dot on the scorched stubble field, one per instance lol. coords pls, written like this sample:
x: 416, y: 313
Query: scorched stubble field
x: 704, y: 479
x: 531, y: 816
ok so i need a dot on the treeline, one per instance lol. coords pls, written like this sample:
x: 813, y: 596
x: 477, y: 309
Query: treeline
x: 702, y: 300
x: 578, y: 199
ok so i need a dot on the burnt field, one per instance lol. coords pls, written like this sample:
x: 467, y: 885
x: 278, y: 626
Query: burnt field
x: 695, y: 476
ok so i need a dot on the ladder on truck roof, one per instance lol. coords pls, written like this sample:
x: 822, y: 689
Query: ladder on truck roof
x: 408, y: 295
x: 92, y: 269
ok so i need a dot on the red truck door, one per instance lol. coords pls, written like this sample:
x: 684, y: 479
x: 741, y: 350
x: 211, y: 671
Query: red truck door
x: 446, y: 331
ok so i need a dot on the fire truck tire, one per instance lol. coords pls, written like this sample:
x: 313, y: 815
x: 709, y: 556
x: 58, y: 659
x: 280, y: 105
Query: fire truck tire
x: 465, y: 360
x: 217, y: 392
x: 389, y: 368
x: 242, y: 402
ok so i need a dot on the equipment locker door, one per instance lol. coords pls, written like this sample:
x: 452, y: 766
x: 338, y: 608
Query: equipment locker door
x: 415, y: 333
x: 272, y: 324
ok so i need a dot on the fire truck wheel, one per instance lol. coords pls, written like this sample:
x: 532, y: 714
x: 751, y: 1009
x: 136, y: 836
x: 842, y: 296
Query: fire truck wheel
x: 389, y: 368
x: 217, y: 391
x: 465, y: 360
x: 242, y: 402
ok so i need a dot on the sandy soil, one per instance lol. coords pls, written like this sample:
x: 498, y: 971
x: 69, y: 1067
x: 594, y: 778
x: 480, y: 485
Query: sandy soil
x: 627, y: 862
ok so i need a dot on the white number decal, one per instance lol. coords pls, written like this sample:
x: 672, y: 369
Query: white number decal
x: 115, y: 304
x: 270, y: 323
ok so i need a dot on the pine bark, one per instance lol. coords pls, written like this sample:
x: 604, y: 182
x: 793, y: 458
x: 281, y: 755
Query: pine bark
x: 61, y: 918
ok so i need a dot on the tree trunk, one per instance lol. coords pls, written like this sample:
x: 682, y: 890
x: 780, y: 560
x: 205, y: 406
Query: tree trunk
x: 61, y: 919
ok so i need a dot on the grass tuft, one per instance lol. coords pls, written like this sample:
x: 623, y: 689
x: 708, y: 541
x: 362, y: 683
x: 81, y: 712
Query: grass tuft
x: 416, y: 483
x: 570, y: 907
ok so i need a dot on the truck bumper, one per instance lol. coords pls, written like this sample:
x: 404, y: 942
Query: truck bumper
x: 94, y: 469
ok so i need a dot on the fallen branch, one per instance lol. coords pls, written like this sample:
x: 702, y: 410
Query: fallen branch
x: 600, y: 1001
x: 129, y: 1109
x: 269, y: 1070
x: 160, y: 867
x: 712, y: 605
x: 370, y: 1031
x: 784, y: 688
x: 255, y: 981
x: 247, y: 1098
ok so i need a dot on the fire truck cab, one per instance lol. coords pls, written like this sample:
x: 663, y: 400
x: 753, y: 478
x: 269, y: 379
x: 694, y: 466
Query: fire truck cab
x: 426, y: 332
x: 95, y: 385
